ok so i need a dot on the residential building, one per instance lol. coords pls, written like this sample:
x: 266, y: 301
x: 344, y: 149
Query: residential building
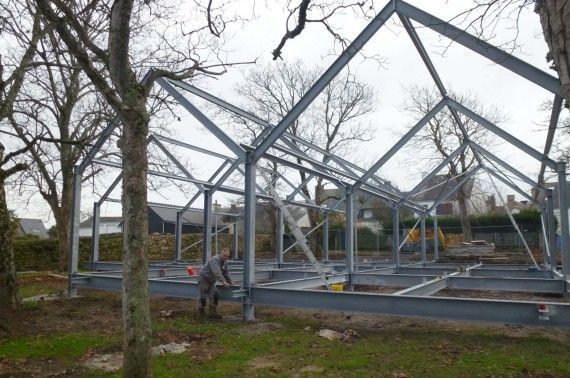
x: 29, y: 226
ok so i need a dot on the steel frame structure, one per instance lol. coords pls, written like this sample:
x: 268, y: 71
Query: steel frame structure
x: 416, y: 285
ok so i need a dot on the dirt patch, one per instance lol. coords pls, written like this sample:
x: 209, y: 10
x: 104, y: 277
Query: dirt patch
x: 259, y: 363
x: 260, y: 327
x: 377, y: 289
x: 499, y: 294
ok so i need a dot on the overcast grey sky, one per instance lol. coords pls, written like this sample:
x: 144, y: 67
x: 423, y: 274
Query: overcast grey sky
x: 460, y: 69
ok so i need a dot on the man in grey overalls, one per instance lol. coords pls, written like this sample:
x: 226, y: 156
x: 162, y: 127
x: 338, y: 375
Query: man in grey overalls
x: 213, y: 270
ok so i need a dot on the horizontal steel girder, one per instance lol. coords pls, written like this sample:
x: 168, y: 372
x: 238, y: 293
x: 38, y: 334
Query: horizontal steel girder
x: 477, y: 310
x: 527, y: 285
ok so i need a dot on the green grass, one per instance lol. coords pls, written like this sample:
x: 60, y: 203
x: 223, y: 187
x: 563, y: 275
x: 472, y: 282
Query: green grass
x: 65, y: 347
x: 415, y: 353
x: 420, y: 351
x: 33, y: 290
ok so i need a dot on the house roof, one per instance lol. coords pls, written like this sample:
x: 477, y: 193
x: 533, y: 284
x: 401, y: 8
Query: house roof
x: 439, y: 185
x: 31, y: 226
x: 89, y: 222
x: 191, y: 216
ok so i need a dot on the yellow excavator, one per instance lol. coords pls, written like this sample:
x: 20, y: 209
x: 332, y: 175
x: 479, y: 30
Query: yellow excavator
x: 414, y: 236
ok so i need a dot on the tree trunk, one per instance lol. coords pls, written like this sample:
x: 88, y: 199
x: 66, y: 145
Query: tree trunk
x: 136, y: 312
x: 62, y: 226
x: 463, y: 215
x: 8, y: 287
x: 555, y: 20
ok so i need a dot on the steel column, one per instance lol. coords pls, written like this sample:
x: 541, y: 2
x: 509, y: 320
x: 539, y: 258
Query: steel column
x: 95, y: 235
x: 565, y: 238
x: 435, y: 240
x: 423, y: 239
x: 280, y: 229
x: 73, y: 262
x: 235, y: 240
x: 207, y: 231
x: 551, y: 229
x: 178, y: 236
x: 349, y: 233
x: 395, y: 236
x: 326, y: 238
x: 249, y: 236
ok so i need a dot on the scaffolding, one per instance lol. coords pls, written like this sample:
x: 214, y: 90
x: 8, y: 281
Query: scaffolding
x: 296, y: 284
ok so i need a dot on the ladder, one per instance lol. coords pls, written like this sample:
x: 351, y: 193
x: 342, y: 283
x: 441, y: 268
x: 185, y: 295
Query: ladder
x: 299, y: 236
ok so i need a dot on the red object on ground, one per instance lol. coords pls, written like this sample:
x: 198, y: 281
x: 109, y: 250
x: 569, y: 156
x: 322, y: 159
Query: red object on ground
x: 190, y: 270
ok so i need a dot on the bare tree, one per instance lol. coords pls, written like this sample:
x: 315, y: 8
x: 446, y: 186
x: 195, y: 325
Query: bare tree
x: 8, y: 287
x: 107, y: 61
x: 60, y: 101
x: 22, y: 26
x: 442, y: 135
x: 333, y: 122
x: 324, y: 13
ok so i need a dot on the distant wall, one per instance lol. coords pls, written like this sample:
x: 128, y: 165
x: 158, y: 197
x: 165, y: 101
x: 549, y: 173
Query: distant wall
x: 42, y: 254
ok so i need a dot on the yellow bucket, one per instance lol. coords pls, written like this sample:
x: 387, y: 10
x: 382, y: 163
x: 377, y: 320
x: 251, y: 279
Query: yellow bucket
x: 337, y: 287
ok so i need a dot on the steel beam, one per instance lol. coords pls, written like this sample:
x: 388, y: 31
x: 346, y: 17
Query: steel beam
x: 553, y: 124
x: 481, y: 47
x: 434, y: 172
x: 205, y: 121
x: 453, y: 189
x: 435, y: 239
x: 489, y: 155
x: 478, y: 310
x: 527, y: 285
x: 501, y: 133
x: 326, y: 78
x: 403, y: 140
x: 426, y: 288
x: 511, y: 185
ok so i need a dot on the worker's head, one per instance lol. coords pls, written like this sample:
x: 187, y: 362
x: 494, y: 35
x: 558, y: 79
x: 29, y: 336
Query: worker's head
x: 225, y: 254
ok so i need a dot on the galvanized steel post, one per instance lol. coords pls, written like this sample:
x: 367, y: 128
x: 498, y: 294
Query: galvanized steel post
x: 326, y: 238
x: 395, y: 236
x: 207, y: 231
x: 280, y: 229
x: 551, y: 229
x: 95, y: 235
x: 423, y: 239
x: 349, y: 234
x: 73, y: 262
x: 178, y: 237
x: 565, y: 240
x: 249, y: 236
x: 235, y: 241
x: 435, y: 240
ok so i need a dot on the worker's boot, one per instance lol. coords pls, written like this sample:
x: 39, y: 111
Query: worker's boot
x: 202, y: 308
x: 213, y: 313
